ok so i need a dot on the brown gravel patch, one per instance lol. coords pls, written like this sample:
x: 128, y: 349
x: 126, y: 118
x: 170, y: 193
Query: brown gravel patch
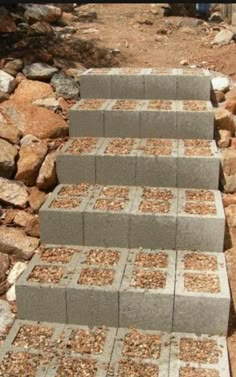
x: 198, y: 261
x: 148, y: 279
x: 98, y: 277
x: 199, y: 195
x: 159, y: 142
x: 141, y: 345
x: 110, y: 204
x: 20, y: 364
x: 57, y: 255
x: 198, y: 143
x: 198, y: 372
x: 124, y: 105
x: 194, y: 106
x: 115, y: 192
x: 42, y: 274
x: 65, y: 203
x: 120, y: 146
x: 103, y: 257
x: 82, y: 145
x: 77, y: 368
x: 75, y: 190
x: 87, y: 341
x: 199, y: 351
x: 91, y: 104
x: 201, y: 283
x: 200, y: 209
x: 130, y: 368
x: 153, y: 206
x: 158, y: 151
x: 198, y: 152
x: 36, y: 337
x: 159, y: 105
x: 155, y: 193
x: 159, y: 260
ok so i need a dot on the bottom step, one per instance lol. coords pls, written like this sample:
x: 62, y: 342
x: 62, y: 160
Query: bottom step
x: 34, y: 349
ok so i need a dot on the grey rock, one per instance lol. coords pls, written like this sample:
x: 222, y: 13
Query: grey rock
x: 8, y: 154
x: 223, y: 37
x: 46, y: 13
x: 13, y: 192
x: 65, y: 86
x: 7, y: 82
x: 216, y: 18
x: 39, y: 71
x: 6, y: 316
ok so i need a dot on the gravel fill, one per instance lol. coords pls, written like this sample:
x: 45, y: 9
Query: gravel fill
x: 201, y: 283
x: 87, y: 341
x: 199, y: 195
x: 97, y: 277
x: 194, y: 105
x: 153, y: 206
x: 124, y: 105
x: 75, y: 190
x: 110, y: 204
x: 120, y: 146
x: 30, y: 336
x: 69, y: 367
x: 130, y: 368
x: 148, y: 279
x: 49, y: 274
x: 159, y: 105
x: 91, y: 104
x: 103, y: 257
x: 155, y: 193
x: 115, y: 192
x: 20, y: 364
x: 83, y: 145
x: 142, y: 345
x: 65, y: 203
x: 199, y: 351
x: 198, y: 261
x: 198, y: 372
x: 57, y: 255
x: 200, y: 208
x: 198, y: 152
x: 159, y: 260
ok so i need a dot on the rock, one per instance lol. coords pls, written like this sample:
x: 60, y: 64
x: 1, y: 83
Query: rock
x: 223, y: 37
x: 75, y: 73
x: 3, y: 96
x: 6, y: 316
x: 231, y: 94
x: 42, y: 28
x: 188, y: 30
x: 36, y: 199
x: 7, y: 24
x: 46, y: 13
x: 229, y: 199
x: 47, y: 175
x: 15, y: 241
x: 231, y: 105
x: 29, y: 139
x: 4, y: 266
x: 183, y: 62
x: 229, y: 183
x: 63, y: 63
x: 39, y: 71
x: 229, y: 162
x: 216, y: 18
x: 90, y: 15
x: 224, y: 120
x: 31, y: 157
x: 11, y: 294
x: 35, y: 120
x: 16, y: 271
x: 8, y: 131
x: 30, y: 91
x: 65, y: 86
x: 13, y: 66
x: 7, y: 82
x: 219, y: 96
x: 225, y: 139
x: 29, y: 222
x: 220, y: 83
x: 8, y: 155
x: 50, y: 103
x: 13, y: 192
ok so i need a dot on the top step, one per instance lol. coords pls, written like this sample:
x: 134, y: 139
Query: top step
x: 146, y: 83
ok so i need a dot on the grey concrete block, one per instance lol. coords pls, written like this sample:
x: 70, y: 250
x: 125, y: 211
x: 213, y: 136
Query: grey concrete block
x: 96, y: 83
x: 87, y: 121
x: 200, y: 231
x: 157, y: 157
x: 161, y: 84
x: 128, y: 83
x: 198, y: 164
x: 62, y: 225
x: 78, y: 165
x: 157, y: 364
x: 159, y: 122
x: 193, y: 85
x: 145, y: 307
x: 201, y: 310
x: 154, y: 229
x: 122, y: 122
x: 94, y: 304
x: 202, y: 355
x: 195, y: 124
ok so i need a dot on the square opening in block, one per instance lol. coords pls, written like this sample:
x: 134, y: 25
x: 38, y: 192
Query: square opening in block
x: 65, y: 203
x: 106, y: 257
x: 148, y: 279
x: 124, y: 105
x: 57, y: 254
x: 115, y: 192
x: 75, y: 190
x: 158, y: 260
x: 90, y: 342
x: 156, y: 193
x: 159, y: 105
x: 154, y: 206
x: 116, y: 205
x: 82, y: 145
x: 158, y: 147
x: 21, y: 364
x: 197, y: 372
x: 120, y: 146
x: 96, y: 277
x: 91, y: 104
x: 201, y: 283
x: 200, y: 208
x: 31, y: 336
x: 199, y: 351
x: 142, y: 345
x: 199, y: 261
x: 130, y: 368
x: 46, y: 274
x: 199, y: 195
x: 194, y: 105
x: 77, y: 367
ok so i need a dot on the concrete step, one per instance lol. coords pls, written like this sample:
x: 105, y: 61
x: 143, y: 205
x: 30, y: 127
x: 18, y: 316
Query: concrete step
x: 52, y: 350
x: 137, y: 162
x: 128, y: 216
x: 146, y: 83
x: 142, y: 119
x: 139, y: 288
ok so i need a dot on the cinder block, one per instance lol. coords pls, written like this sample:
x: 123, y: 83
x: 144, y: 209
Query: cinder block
x: 193, y: 355
x: 156, y: 158
x: 194, y: 120
x: 193, y: 84
x: 147, y: 352
x: 147, y: 293
x: 154, y: 228
x: 96, y: 83
x: 86, y: 118
x: 198, y: 164
x: 92, y: 295
x: 62, y: 225
x: 108, y: 227
x: 128, y: 83
x: 202, y: 297
x: 161, y: 83
x: 200, y: 220
x: 122, y: 118
x: 76, y: 161
x: 116, y: 162
x: 158, y: 119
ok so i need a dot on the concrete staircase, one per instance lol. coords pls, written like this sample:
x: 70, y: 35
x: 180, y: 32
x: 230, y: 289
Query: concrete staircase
x: 132, y: 238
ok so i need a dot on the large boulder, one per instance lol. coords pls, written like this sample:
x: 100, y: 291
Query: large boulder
x: 224, y: 120
x: 39, y: 71
x: 8, y: 131
x: 220, y: 83
x: 65, y: 86
x: 8, y: 153
x: 225, y: 139
x: 46, y: 13
x: 13, y: 192
x: 32, y: 90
